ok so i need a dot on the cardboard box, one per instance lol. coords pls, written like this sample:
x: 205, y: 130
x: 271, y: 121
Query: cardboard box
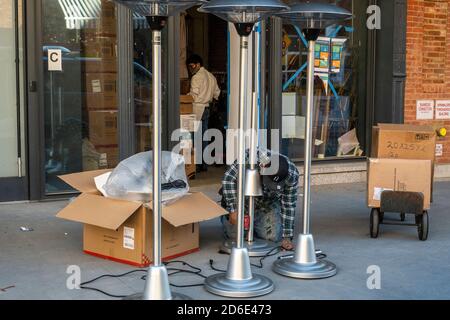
x: 186, y: 106
x: 403, y: 141
x: 95, y: 46
x: 398, y: 175
x: 101, y: 83
x: 103, y: 127
x: 97, y: 101
x: 101, y: 91
x: 189, y: 160
x: 122, y: 230
x: 186, y: 98
x: 100, y: 65
x: 185, y: 86
x: 109, y: 156
x: 144, y: 137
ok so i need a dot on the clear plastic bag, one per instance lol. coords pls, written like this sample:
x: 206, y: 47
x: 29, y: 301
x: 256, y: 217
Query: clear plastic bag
x: 132, y: 179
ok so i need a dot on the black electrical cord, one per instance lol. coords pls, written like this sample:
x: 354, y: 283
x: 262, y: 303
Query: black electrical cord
x: 260, y: 265
x: 197, y: 271
x: 83, y: 284
x: 178, y: 270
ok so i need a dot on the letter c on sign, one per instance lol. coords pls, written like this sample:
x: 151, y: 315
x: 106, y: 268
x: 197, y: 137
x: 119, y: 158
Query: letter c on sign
x: 54, y: 57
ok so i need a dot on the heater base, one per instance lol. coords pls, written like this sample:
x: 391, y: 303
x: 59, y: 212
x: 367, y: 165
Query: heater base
x: 219, y: 284
x: 317, y: 270
x: 175, y: 296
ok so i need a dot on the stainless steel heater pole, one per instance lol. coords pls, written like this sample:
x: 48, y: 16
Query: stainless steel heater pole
x: 308, y: 139
x: 252, y: 161
x: 157, y: 147
x: 304, y: 264
x: 241, y: 136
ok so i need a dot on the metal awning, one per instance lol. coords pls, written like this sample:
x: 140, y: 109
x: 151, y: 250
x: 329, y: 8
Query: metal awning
x: 82, y: 14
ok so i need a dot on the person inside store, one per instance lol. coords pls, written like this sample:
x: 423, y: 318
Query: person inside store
x: 275, y: 210
x: 204, y: 89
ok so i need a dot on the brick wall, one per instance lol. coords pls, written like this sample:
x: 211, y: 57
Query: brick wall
x: 428, y: 61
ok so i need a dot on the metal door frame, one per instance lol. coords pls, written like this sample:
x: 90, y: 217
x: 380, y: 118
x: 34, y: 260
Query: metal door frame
x: 16, y: 188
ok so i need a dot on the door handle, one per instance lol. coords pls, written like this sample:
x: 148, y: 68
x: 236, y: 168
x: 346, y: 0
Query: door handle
x: 33, y: 86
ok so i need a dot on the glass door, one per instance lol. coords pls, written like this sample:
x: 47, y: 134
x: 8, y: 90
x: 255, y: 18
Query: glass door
x: 13, y: 184
x: 79, y: 57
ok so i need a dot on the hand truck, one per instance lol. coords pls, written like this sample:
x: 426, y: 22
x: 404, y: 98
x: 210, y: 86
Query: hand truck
x: 403, y: 202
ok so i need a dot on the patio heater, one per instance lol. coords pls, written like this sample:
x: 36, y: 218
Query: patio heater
x: 312, y: 18
x: 156, y: 12
x: 253, y: 187
x: 238, y: 280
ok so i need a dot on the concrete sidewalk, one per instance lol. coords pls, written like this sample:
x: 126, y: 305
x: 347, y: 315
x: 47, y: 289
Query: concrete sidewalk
x: 35, y: 262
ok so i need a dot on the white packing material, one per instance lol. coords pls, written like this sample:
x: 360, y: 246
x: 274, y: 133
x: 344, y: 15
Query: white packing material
x: 132, y: 179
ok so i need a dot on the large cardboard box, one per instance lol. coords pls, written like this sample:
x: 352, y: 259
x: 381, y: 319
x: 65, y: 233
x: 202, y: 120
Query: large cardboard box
x: 100, y: 65
x: 101, y: 91
x: 122, y: 230
x: 403, y: 141
x: 144, y: 136
x: 103, y: 127
x: 95, y: 46
x: 109, y: 156
x: 186, y: 106
x: 398, y: 175
x: 101, y: 83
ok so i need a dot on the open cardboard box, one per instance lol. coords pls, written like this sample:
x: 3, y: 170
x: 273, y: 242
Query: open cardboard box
x: 122, y: 230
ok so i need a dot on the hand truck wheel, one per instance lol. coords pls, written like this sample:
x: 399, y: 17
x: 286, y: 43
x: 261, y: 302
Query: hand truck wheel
x: 402, y: 216
x: 422, y: 228
x: 381, y: 215
x: 374, y: 222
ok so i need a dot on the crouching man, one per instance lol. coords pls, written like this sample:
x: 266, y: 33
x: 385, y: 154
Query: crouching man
x: 275, y: 210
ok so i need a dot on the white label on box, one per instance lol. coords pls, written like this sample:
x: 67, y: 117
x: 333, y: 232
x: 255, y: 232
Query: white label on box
x: 188, y: 122
x: 439, y: 150
x: 96, y: 86
x: 54, y: 59
x: 443, y: 109
x: 128, y: 238
x: 377, y: 192
x: 425, y: 110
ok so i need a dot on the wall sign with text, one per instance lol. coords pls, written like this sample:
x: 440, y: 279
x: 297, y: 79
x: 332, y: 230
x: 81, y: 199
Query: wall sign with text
x: 425, y: 110
x: 443, y: 109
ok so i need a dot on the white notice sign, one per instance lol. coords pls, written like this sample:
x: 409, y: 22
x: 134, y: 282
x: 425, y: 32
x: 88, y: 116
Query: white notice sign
x: 54, y: 59
x: 425, y: 110
x: 439, y: 150
x: 443, y: 109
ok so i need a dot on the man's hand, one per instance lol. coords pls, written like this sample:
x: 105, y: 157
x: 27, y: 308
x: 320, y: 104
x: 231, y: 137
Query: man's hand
x: 287, y: 244
x: 233, y: 217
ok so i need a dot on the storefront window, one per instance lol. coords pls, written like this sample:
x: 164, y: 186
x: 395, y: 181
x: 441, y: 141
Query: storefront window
x: 142, y: 62
x: 339, y: 80
x: 80, y: 88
